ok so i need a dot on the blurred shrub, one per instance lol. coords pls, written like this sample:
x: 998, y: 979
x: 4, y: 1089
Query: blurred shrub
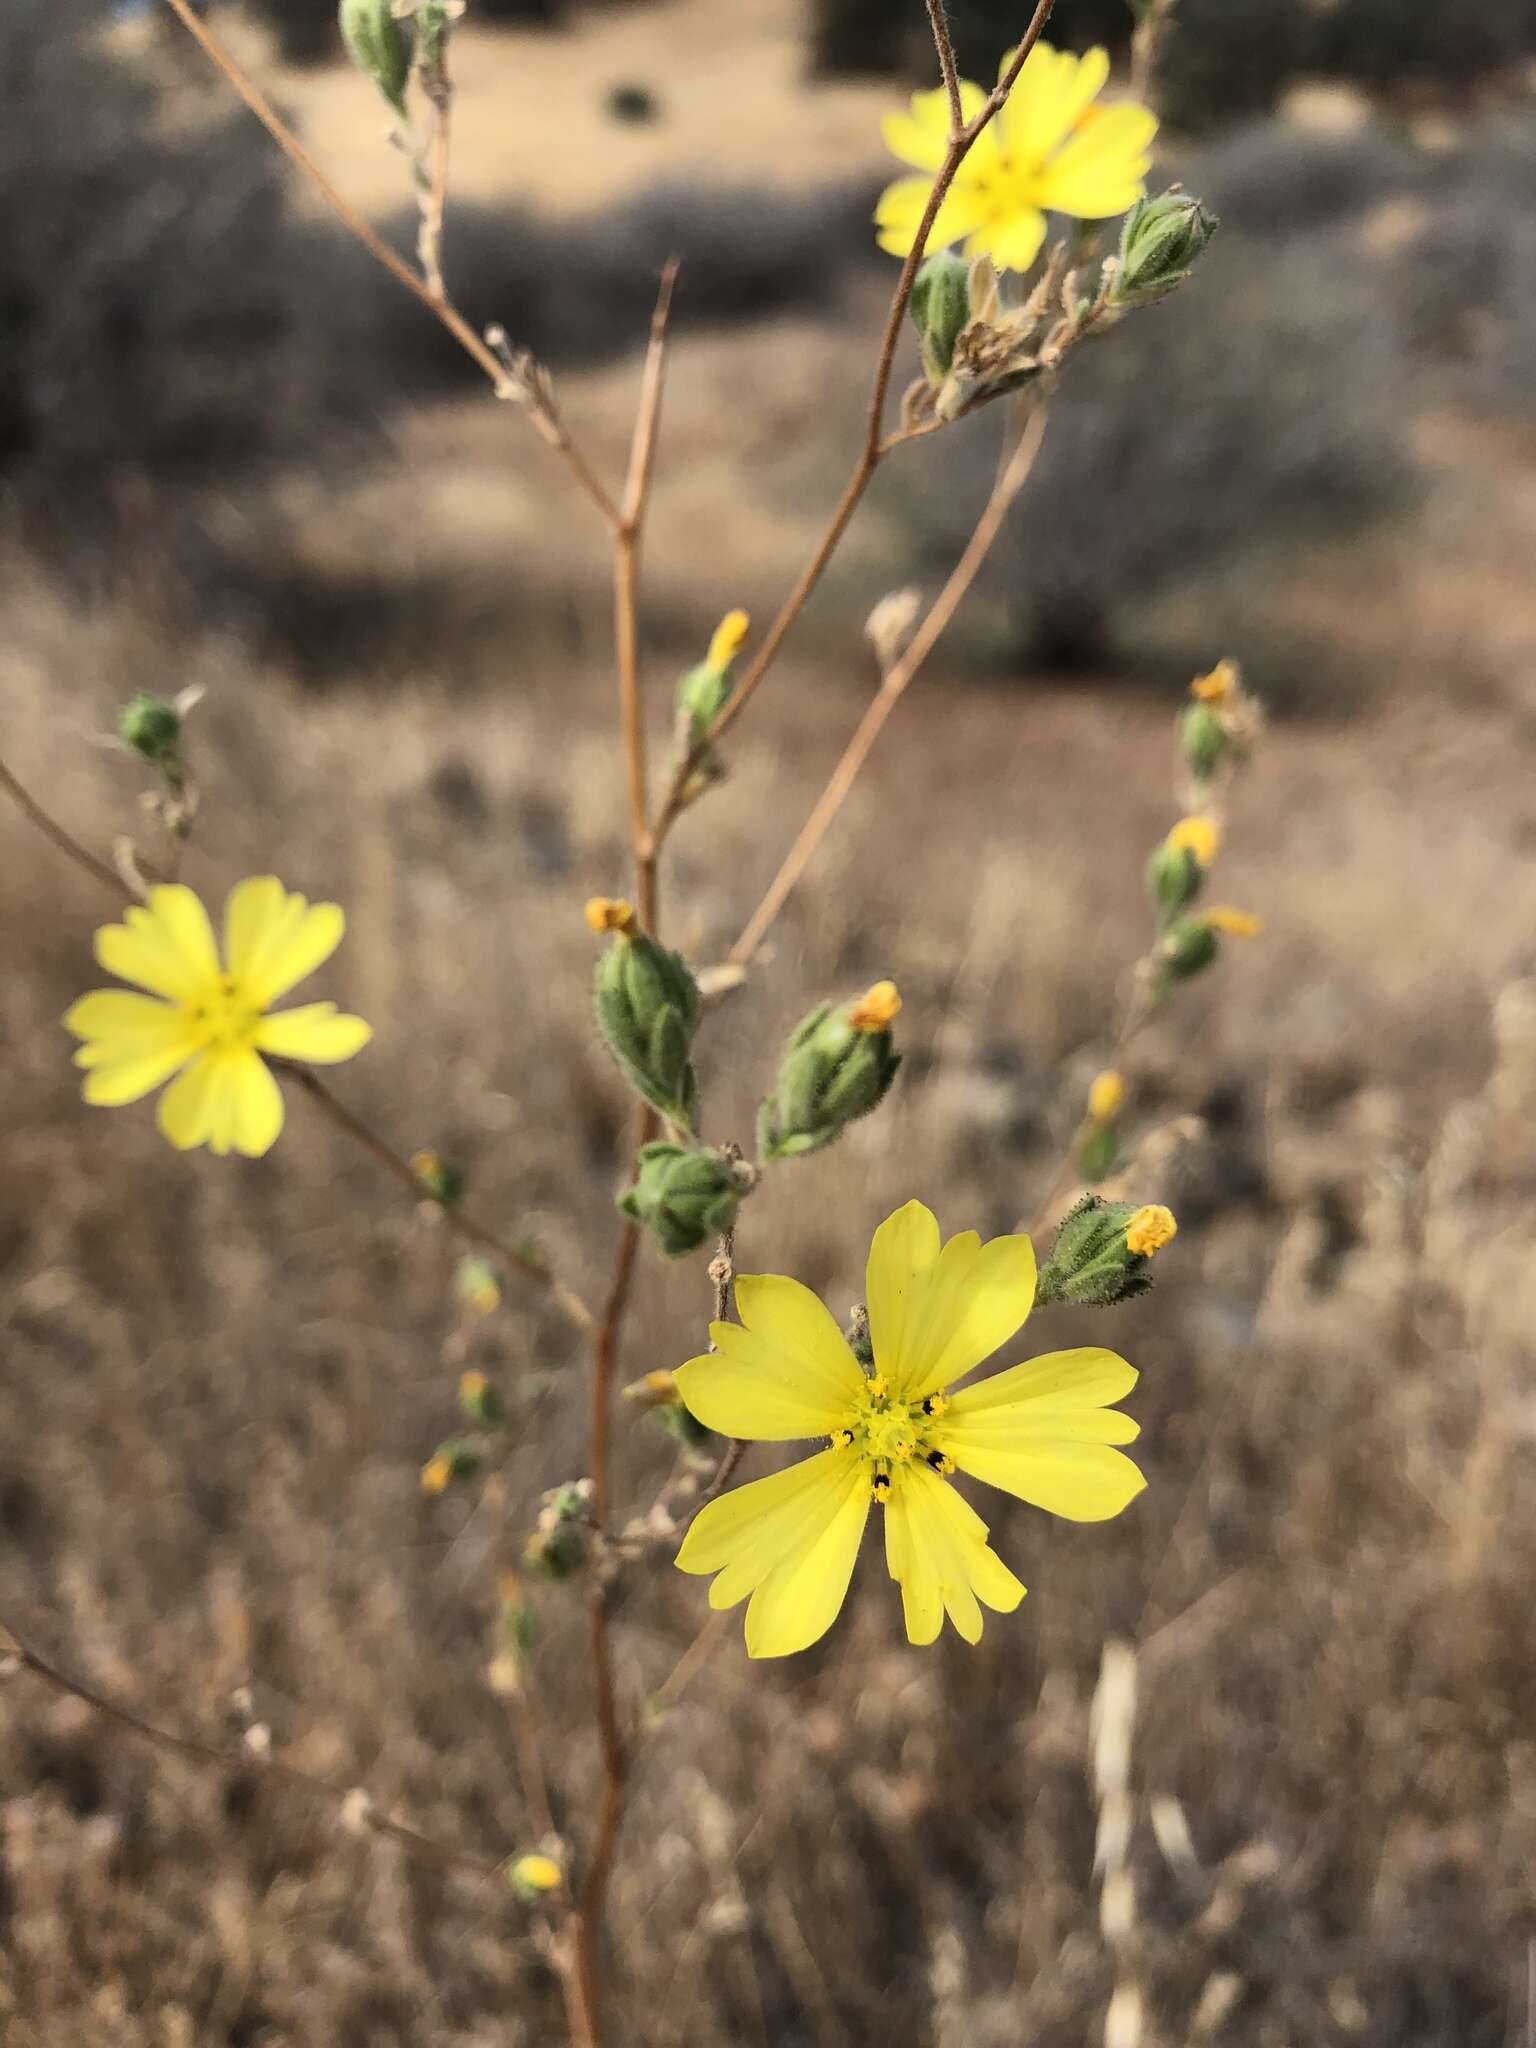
x: 157, y: 302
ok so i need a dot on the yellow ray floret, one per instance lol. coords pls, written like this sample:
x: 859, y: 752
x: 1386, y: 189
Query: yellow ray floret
x: 1045, y: 1431
x: 1050, y: 149
x: 208, y: 1022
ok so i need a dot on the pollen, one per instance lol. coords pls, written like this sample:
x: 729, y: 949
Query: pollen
x: 842, y: 1439
x: 935, y: 1404
x: 878, y: 1387
x: 880, y: 1486
x: 941, y: 1462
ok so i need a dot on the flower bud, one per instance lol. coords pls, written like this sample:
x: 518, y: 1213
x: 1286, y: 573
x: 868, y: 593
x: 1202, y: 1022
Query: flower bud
x: 450, y: 1462
x: 534, y: 1877
x: 1202, y: 741
x: 1176, y: 871
x: 480, y: 1400
x: 1186, y: 949
x: 1160, y: 244
x: 557, y: 1552
x: 477, y: 1285
x: 647, y: 1005
x: 379, y: 44
x: 685, y: 1195
x: 941, y: 310
x: 1106, y: 1097
x: 152, y: 727
x: 441, y: 1179
x: 702, y: 694
x: 838, y: 1066
x: 1102, y: 1251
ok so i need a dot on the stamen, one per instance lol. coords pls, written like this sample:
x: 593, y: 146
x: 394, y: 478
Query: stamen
x: 941, y: 1462
x: 935, y: 1404
x: 878, y: 1387
x: 842, y: 1439
x: 880, y: 1486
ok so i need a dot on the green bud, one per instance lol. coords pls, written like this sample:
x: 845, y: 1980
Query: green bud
x: 379, y: 43
x: 480, y: 1400
x: 1174, y: 879
x: 449, y: 1463
x: 705, y: 690
x: 685, y: 1195
x: 1160, y: 244
x: 838, y: 1066
x: 442, y: 1180
x: 152, y: 727
x: 1203, y: 739
x: 1186, y: 949
x: 1091, y: 1263
x: 686, y: 1427
x: 556, y: 1552
x: 647, y: 1005
x: 941, y: 310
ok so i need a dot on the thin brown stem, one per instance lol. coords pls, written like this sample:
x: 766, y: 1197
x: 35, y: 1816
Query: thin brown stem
x: 628, y: 542
x: 232, y: 1762
x: 1010, y: 482
x: 67, y: 844
x: 458, y: 1219
x: 434, y: 194
x: 943, y: 42
x: 366, y: 235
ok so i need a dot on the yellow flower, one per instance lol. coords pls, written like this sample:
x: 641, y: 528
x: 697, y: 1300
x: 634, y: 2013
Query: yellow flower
x: 1106, y: 1097
x: 1043, y: 1431
x: 1150, y: 1229
x: 1049, y: 150
x: 1199, y: 836
x: 1223, y: 682
x: 1235, y: 924
x: 534, y: 1876
x: 877, y: 1009
x: 212, y: 1022
x: 609, y: 914
x: 730, y: 638
x: 437, y: 1475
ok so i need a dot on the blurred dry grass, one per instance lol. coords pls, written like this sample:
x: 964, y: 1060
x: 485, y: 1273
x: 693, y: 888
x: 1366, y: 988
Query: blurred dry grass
x: 221, y: 1377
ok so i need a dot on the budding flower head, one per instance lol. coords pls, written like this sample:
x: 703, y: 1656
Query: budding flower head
x: 1176, y: 871
x: 379, y: 44
x: 730, y: 638
x: 1186, y: 949
x: 441, y: 1180
x: 1161, y: 242
x: 609, y: 914
x: 647, y: 1006
x: 1106, y: 1097
x: 477, y: 1285
x: 705, y: 690
x: 1223, y: 682
x: 534, y: 1877
x: 686, y: 1194
x: 1233, y: 924
x: 941, y: 310
x: 654, y: 1390
x: 1199, y: 836
x: 480, y: 1400
x: 450, y: 1462
x: 1150, y: 1229
x: 152, y: 727
x: 838, y: 1065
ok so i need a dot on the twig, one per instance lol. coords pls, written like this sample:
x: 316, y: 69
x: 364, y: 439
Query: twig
x: 938, y: 21
x: 67, y: 844
x: 874, y: 448
x: 362, y: 231
x: 437, y: 87
x: 1007, y: 488
x: 628, y: 542
x: 205, y: 1755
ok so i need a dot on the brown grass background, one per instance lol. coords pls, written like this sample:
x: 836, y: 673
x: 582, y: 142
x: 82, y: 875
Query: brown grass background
x: 220, y: 1377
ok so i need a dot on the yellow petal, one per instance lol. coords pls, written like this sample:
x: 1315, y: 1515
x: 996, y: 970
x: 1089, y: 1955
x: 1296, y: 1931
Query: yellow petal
x: 279, y: 935
x: 936, y: 1547
x: 1044, y: 1431
x: 785, y: 1371
x: 903, y: 1249
x: 1088, y: 1377
x: 920, y: 138
x: 118, y: 1078
x: 1054, y: 91
x: 185, y: 1114
x: 256, y: 1105
x: 164, y: 945
x: 1014, y: 243
x: 799, y: 1324
x: 900, y: 210
x: 317, y: 1032
x: 973, y: 1298
x: 1101, y: 171
x: 790, y: 1540
x: 121, y: 1024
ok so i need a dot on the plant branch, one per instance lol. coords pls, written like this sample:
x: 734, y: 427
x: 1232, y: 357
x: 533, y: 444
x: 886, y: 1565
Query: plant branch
x: 1010, y: 482
x: 362, y: 231
x: 943, y: 42
x: 208, y: 1757
x: 66, y: 842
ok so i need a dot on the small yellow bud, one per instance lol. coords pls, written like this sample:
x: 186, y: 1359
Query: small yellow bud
x: 534, y: 1876
x: 877, y: 1010
x: 426, y: 1165
x: 1233, y: 924
x: 1105, y: 1097
x: 610, y: 914
x: 1150, y: 1229
x: 730, y: 638
x: 437, y: 1475
x: 1199, y: 836
x: 1223, y: 682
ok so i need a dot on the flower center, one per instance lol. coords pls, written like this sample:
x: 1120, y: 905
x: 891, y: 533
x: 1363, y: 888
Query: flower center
x: 224, y: 1016
x: 885, y: 1432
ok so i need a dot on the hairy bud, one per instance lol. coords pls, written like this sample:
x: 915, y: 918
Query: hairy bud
x: 647, y: 1005
x: 838, y: 1066
x: 686, y: 1194
x: 1162, y: 241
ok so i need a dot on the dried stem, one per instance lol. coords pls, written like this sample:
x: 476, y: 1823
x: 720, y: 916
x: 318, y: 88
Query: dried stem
x: 228, y: 1762
x: 874, y: 448
x: 437, y: 86
x: 938, y: 21
x: 362, y: 231
x: 1010, y: 482
x: 83, y: 858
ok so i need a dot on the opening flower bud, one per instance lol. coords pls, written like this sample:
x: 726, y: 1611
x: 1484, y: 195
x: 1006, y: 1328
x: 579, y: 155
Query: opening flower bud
x: 838, y: 1066
x: 534, y: 1877
x: 1101, y: 1252
x: 1161, y: 242
x: 941, y: 310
